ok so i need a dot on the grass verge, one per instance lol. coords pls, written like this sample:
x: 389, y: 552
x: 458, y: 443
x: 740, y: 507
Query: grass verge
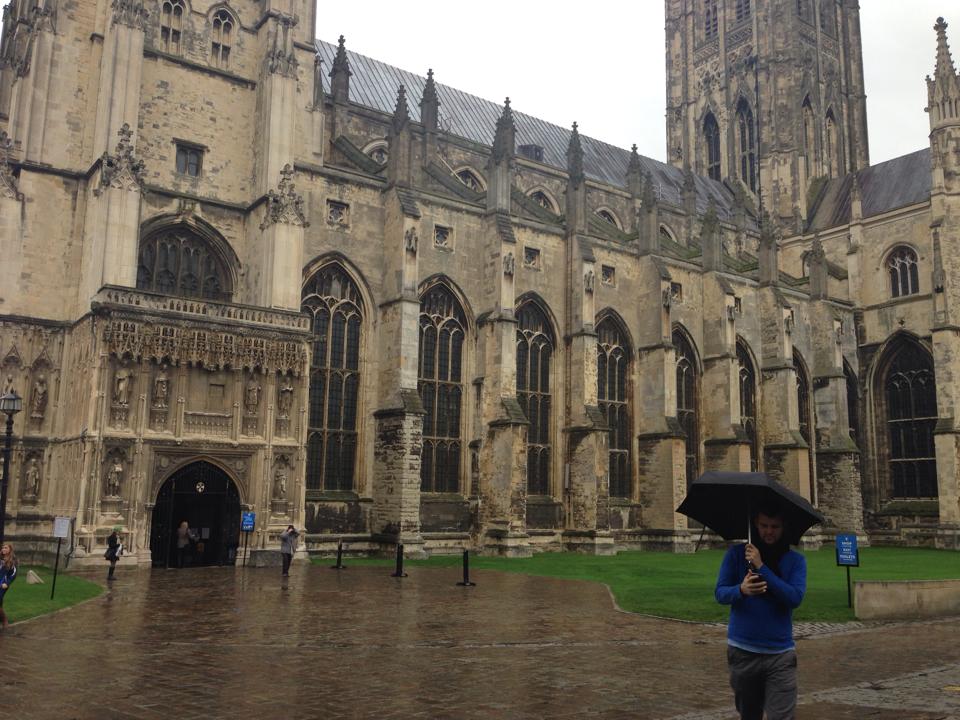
x: 24, y: 601
x: 681, y: 586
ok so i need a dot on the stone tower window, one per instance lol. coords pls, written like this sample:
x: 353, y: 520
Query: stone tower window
x: 747, y: 142
x: 332, y: 298
x: 189, y: 159
x: 688, y: 397
x: 711, y: 137
x: 911, y: 415
x: 171, y: 25
x: 710, y: 19
x: 742, y: 10
x: 904, y: 272
x: 805, y: 415
x: 832, y: 149
x: 827, y: 19
x: 809, y: 138
x: 804, y: 11
x: 613, y: 386
x: 222, y: 38
x: 442, y: 330
x: 535, y: 345
x: 176, y: 261
x: 748, y: 402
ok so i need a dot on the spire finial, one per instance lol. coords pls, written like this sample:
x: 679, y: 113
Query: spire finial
x: 575, y: 157
x: 504, y: 139
x: 401, y: 113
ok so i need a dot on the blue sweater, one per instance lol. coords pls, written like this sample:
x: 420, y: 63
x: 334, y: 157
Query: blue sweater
x: 762, y: 623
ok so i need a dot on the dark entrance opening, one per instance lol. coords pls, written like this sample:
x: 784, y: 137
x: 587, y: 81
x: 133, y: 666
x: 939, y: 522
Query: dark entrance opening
x: 206, y: 497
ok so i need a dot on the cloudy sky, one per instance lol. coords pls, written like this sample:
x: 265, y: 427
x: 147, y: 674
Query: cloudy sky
x: 605, y: 68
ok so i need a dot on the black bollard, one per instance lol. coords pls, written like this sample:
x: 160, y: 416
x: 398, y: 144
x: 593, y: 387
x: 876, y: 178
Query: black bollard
x: 466, y: 570
x: 399, y: 573
x: 339, y: 565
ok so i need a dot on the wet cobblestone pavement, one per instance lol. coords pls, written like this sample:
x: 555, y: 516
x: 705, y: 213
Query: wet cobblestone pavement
x: 225, y: 643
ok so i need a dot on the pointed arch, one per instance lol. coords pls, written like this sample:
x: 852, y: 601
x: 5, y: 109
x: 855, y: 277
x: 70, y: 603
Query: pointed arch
x: 536, y: 347
x: 609, y: 216
x: 471, y: 178
x: 224, y: 27
x: 377, y: 150
x: 614, y: 396
x: 334, y: 301
x: 172, y: 14
x: 809, y: 137
x: 746, y: 136
x: 903, y: 269
x: 832, y: 151
x: 853, y: 402
x: 748, y: 381
x: 711, y: 139
x: 689, y: 372
x: 545, y: 199
x: 805, y: 414
x: 905, y: 412
x: 443, y: 331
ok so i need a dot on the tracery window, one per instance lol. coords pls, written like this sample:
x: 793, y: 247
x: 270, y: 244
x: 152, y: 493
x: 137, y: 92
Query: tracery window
x: 747, y: 136
x: 442, y: 331
x: 543, y: 200
x: 904, y: 272
x: 710, y: 19
x: 742, y: 10
x: 171, y: 25
x: 711, y: 135
x: 469, y: 178
x: 688, y: 396
x: 748, y: 403
x: 911, y: 396
x: 809, y: 138
x: 535, y: 347
x: 222, y: 38
x: 176, y: 261
x: 613, y: 381
x: 826, y: 17
x: 333, y: 300
x: 832, y: 149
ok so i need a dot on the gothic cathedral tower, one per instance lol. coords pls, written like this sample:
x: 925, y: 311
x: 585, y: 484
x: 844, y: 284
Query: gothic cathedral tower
x: 768, y: 92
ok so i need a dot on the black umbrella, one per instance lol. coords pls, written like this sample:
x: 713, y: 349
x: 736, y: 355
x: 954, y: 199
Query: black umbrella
x: 725, y: 502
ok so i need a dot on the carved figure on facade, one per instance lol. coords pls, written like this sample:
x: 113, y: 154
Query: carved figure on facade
x: 114, y: 476
x: 161, y: 389
x: 666, y: 297
x: 281, y: 58
x: 509, y: 265
x: 8, y: 183
x: 122, y: 385
x: 122, y: 169
x: 280, y: 483
x: 9, y: 385
x: 38, y: 398
x: 411, y: 240
x: 31, y: 478
x: 589, y: 278
x: 285, y: 204
x: 131, y: 13
x: 284, y: 398
x: 251, y: 396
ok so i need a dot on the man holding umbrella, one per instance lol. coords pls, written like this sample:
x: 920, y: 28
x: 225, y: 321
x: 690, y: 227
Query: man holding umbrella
x: 762, y: 582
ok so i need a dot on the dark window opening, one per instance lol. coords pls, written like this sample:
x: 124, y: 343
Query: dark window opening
x: 746, y: 134
x: 711, y: 134
x: 748, y: 404
x: 688, y: 384
x: 189, y: 160
x: 613, y: 385
x: 904, y: 272
x: 911, y: 395
x: 535, y: 348
x: 178, y: 262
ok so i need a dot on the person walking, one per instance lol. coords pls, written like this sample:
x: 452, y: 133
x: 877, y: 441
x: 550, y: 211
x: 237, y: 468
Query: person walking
x: 763, y: 583
x: 114, y: 550
x: 8, y: 573
x: 185, y: 536
x: 288, y: 546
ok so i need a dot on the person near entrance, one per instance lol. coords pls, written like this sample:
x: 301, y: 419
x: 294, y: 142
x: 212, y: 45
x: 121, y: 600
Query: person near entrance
x: 8, y: 573
x: 114, y: 550
x: 288, y: 546
x: 185, y: 536
x: 763, y: 584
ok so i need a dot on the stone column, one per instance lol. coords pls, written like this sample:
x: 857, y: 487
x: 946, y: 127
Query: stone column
x: 281, y: 242
x: 11, y: 230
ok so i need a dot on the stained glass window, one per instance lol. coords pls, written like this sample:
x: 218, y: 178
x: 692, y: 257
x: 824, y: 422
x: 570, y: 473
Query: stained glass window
x: 176, y: 261
x: 688, y: 390
x: 613, y: 382
x: 711, y: 135
x: 911, y: 395
x: 535, y: 347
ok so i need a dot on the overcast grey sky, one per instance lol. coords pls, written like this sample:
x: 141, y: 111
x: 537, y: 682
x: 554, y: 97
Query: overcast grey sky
x: 604, y: 68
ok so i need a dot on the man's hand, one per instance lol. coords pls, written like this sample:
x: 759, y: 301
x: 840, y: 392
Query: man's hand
x: 753, y: 584
x: 753, y: 556
x: 4, y: 586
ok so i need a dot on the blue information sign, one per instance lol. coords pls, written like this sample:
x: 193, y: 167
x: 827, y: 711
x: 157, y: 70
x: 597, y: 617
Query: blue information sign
x: 247, y: 520
x: 847, y: 553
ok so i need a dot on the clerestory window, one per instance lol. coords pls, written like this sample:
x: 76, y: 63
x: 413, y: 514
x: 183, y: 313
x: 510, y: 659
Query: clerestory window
x: 171, y: 25
x: 222, y: 42
x: 711, y: 136
x: 904, y: 272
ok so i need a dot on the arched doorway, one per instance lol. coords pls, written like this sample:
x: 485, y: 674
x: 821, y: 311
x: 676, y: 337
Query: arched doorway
x: 206, y: 497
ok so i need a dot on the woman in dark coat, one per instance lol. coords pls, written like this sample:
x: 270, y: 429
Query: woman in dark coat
x: 114, y: 547
x: 8, y: 573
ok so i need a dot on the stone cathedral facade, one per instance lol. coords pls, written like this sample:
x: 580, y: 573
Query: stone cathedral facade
x: 247, y: 270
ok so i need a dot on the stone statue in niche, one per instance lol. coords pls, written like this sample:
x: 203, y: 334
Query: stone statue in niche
x: 114, y: 477
x: 31, y: 478
x: 38, y: 401
x: 251, y: 396
x: 122, y: 382
x: 280, y: 484
x: 8, y: 385
x: 161, y: 389
x: 285, y: 398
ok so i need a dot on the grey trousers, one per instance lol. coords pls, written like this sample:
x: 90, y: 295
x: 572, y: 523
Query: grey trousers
x: 763, y: 684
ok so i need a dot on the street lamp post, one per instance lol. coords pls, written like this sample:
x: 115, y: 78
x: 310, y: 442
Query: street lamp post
x: 10, y: 405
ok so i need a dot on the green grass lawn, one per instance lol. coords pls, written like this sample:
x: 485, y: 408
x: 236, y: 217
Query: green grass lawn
x: 24, y: 601
x: 681, y: 586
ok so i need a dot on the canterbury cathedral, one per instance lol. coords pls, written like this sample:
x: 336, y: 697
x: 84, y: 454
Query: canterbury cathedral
x: 244, y: 271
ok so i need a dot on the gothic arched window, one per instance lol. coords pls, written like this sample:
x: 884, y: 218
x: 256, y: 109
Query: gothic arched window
x: 711, y: 136
x: 171, y: 25
x: 742, y: 9
x: 608, y: 217
x: 442, y: 330
x: 832, y: 149
x: 803, y: 10
x: 535, y: 347
x: 613, y: 385
x: 853, y: 402
x: 748, y: 402
x: 471, y: 180
x: 710, y: 19
x: 332, y: 298
x: 688, y: 397
x: 543, y: 200
x: 809, y: 138
x: 904, y: 272
x: 747, y: 141
x: 827, y: 19
x: 805, y: 414
x: 177, y: 261
x: 222, y: 38
x: 911, y: 410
